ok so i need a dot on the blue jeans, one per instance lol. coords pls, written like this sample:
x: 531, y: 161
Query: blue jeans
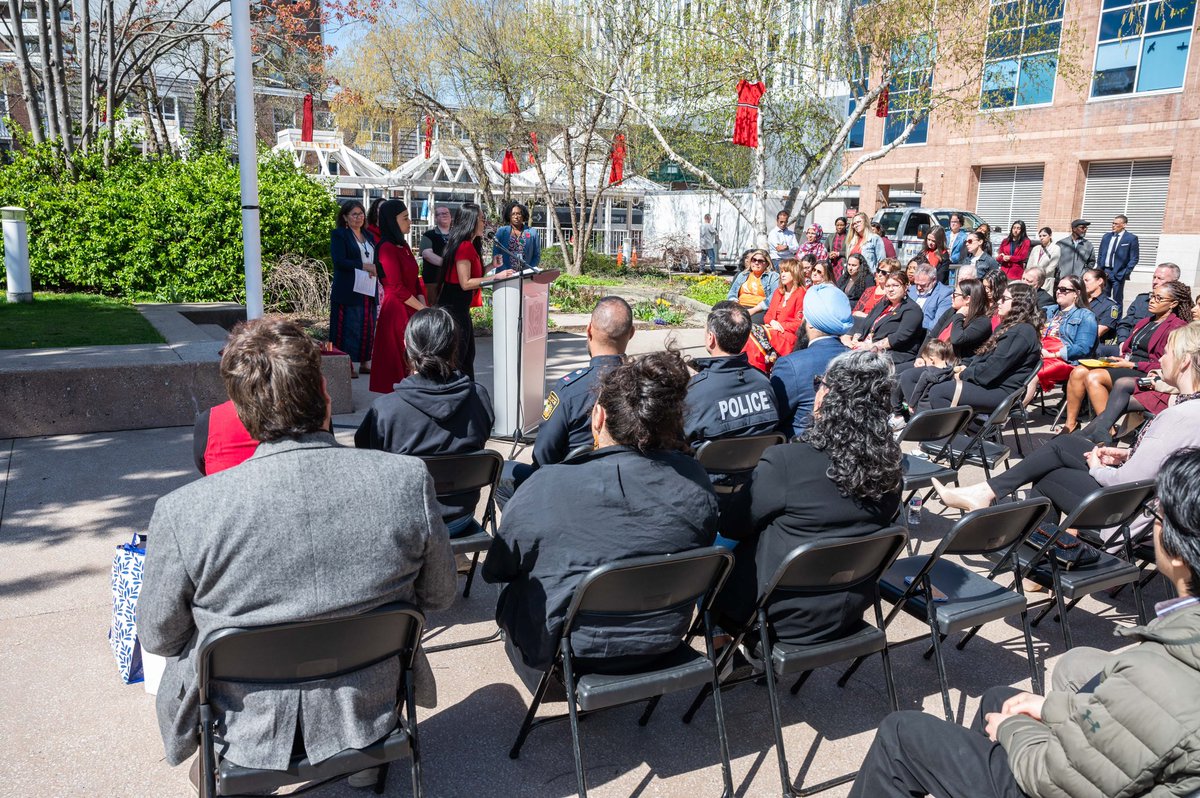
x: 709, y: 255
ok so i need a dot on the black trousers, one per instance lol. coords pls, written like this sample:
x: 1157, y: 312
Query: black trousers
x: 466, y: 338
x: 917, y: 754
x: 984, y: 400
x: 1056, y: 471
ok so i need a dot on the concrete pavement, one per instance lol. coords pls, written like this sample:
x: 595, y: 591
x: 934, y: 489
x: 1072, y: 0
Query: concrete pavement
x: 69, y: 728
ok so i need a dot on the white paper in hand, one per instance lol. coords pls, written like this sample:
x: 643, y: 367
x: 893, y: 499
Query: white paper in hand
x: 364, y: 283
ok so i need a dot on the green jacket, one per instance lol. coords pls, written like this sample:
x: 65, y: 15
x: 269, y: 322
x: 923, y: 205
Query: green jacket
x: 1137, y: 734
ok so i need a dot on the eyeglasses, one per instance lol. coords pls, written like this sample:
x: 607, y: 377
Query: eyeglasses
x: 1062, y: 290
x: 1157, y: 298
x: 958, y: 295
x: 818, y: 382
x: 1006, y: 298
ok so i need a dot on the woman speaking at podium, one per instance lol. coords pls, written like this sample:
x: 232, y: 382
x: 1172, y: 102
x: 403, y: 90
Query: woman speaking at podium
x: 460, y: 290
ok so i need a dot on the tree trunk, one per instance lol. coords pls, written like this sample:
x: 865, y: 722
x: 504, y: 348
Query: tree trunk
x: 25, y: 71
x: 83, y: 45
x: 110, y: 83
x: 163, y: 134
x: 48, y: 78
x: 65, y: 130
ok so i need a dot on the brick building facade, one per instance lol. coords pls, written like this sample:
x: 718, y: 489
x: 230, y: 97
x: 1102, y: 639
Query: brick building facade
x: 1120, y: 139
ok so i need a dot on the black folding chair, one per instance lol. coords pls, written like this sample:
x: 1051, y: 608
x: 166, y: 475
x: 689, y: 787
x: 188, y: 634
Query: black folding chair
x: 456, y: 474
x: 638, y: 589
x: 951, y: 598
x: 302, y: 653
x: 1113, y: 506
x: 735, y: 458
x: 986, y: 446
x: 939, y: 426
x: 822, y: 567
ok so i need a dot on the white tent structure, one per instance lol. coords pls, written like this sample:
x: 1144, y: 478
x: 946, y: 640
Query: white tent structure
x: 330, y: 150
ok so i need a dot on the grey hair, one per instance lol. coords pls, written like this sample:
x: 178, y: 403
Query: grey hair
x: 928, y: 270
x: 851, y: 426
x: 1173, y: 267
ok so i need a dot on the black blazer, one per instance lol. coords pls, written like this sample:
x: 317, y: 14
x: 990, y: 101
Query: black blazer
x: 903, y: 330
x: 792, y: 502
x: 1017, y: 355
x: 965, y: 338
x: 346, y: 257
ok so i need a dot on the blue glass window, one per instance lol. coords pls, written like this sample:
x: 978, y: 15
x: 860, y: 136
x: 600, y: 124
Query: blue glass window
x: 859, y: 72
x: 1143, y: 46
x: 908, y: 90
x: 1021, y: 59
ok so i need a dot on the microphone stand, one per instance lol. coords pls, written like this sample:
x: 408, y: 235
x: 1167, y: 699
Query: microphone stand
x: 519, y: 432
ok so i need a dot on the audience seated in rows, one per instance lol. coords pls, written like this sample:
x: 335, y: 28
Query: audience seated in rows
x: 727, y: 397
x: 826, y: 318
x: 567, y: 411
x: 1070, y: 467
x: 874, y: 294
x: 965, y: 326
x: 436, y: 409
x: 1170, y: 309
x: 840, y: 478
x: 893, y: 325
x: 1113, y: 724
x: 754, y: 286
x: 1070, y: 333
x: 304, y: 529
x: 1034, y: 277
x: 638, y: 493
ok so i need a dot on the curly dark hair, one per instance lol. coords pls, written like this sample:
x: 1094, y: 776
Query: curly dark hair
x: 851, y: 426
x: 1183, y: 299
x: 1024, y: 310
x: 643, y: 399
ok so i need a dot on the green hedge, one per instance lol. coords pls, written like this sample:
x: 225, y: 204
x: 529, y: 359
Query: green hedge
x: 162, y: 229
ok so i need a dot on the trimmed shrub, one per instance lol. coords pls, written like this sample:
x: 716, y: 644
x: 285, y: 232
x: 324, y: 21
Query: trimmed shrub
x: 162, y: 229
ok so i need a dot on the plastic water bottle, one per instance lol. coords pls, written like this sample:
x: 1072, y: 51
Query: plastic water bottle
x: 914, y: 511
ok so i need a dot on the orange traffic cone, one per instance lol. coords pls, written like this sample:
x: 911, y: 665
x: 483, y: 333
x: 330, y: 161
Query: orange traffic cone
x: 620, y: 258
x: 633, y: 259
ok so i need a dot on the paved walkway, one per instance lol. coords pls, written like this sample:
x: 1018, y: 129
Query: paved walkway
x: 69, y: 728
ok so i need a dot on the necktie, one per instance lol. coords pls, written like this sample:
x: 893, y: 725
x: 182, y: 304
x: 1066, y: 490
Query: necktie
x: 1112, y: 251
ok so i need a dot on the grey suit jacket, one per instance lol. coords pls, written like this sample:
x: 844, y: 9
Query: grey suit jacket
x: 304, y: 529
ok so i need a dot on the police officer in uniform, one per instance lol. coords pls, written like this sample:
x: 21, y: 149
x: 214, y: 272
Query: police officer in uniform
x: 567, y: 413
x: 727, y: 397
x: 1107, y: 312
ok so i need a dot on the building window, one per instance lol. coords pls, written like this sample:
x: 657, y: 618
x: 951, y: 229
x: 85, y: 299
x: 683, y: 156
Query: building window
x: 169, y: 107
x: 323, y: 120
x: 1021, y: 60
x: 860, y: 66
x: 908, y: 90
x: 227, y: 117
x: 282, y: 119
x: 1143, y: 46
x: 381, y: 132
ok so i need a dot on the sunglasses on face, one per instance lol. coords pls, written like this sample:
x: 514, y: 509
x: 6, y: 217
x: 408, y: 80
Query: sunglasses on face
x: 1064, y: 290
x: 757, y: 260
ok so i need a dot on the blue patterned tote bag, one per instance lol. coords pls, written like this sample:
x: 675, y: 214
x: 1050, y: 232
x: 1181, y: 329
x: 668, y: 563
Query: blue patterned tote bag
x: 126, y: 584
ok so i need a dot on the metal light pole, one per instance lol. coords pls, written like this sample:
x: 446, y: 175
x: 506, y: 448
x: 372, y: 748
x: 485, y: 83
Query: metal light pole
x: 243, y: 87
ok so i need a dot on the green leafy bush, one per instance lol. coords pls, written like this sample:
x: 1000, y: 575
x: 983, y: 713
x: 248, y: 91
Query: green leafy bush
x: 162, y: 229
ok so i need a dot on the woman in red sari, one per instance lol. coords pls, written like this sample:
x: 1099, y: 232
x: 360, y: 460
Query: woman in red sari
x: 403, y: 295
x: 776, y: 336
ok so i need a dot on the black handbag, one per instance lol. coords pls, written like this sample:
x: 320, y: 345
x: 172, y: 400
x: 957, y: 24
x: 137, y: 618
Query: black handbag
x: 1069, y: 551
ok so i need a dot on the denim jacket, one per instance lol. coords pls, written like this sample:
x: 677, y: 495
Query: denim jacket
x: 1077, y: 332
x: 770, y: 281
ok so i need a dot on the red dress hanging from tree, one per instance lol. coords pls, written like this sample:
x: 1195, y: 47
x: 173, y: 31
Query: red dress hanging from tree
x: 745, y: 124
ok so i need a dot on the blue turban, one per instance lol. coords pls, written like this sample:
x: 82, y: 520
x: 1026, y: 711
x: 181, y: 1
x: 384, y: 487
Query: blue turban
x: 828, y: 309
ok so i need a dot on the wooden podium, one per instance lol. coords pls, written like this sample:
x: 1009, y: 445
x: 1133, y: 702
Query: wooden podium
x: 520, y: 311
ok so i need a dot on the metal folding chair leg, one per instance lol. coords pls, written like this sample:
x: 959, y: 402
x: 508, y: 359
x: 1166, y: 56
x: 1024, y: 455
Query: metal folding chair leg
x: 785, y: 778
x: 410, y: 695
x: 471, y: 575
x: 931, y: 616
x: 573, y: 712
x: 527, y: 724
x: 800, y: 683
x: 719, y: 709
x: 650, y: 705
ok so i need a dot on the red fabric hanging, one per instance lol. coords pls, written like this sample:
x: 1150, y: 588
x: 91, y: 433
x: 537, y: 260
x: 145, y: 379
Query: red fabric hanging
x: 745, y: 124
x: 617, y: 173
x: 881, y: 105
x: 306, y: 120
x: 533, y: 148
x: 428, y: 135
x: 509, y: 165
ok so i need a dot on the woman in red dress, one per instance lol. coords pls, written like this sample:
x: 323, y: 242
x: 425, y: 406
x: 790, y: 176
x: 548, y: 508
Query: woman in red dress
x: 1014, y: 251
x: 782, y: 321
x: 403, y: 295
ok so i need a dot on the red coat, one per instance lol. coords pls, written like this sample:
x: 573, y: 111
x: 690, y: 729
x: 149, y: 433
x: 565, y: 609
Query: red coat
x: 790, y: 314
x: 401, y: 280
x: 1015, y: 267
